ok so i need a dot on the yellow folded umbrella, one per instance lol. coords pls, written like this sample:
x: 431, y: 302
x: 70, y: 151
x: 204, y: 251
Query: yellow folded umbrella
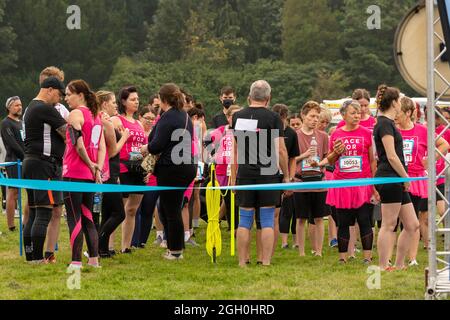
x: 213, y: 233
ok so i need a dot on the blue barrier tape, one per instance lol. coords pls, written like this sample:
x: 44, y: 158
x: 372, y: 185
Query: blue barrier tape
x: 91, y: 187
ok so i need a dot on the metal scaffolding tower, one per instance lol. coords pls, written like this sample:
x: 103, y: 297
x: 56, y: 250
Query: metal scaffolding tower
x: 437, y: 274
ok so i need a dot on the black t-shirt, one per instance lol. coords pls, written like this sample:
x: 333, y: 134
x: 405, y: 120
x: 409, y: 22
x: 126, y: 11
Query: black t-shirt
x: 291, y: 141
x: 255, y: 131
x: 41, y: 121
x: 219, y: 120
x: 384, y: 127
x: 12, y: 135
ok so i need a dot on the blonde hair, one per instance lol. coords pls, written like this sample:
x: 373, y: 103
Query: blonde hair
x: 104, y: 96
x: 51, y: 72
x: 407, y: 105
x: 325, y: 114
x: 232, y: 109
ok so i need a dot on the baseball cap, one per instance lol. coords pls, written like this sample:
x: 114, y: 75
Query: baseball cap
x: 54, y: 83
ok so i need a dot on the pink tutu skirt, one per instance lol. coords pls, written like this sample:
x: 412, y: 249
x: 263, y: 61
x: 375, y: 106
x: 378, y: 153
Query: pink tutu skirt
x: 349, y: 198
x: 418, y: 188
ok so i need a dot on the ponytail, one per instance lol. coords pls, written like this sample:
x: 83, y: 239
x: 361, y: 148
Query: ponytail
x: 81, y: 86
x: 385, y: 96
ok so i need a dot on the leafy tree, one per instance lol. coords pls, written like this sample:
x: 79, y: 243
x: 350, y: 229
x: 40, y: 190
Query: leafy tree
x: 310, y: 31
x: 165, y: 41
x: 8, y: 56
x: 368, y: 54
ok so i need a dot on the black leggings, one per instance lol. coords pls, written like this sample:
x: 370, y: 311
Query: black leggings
x: 144, y: 218
x: 113, y: 214
x: 171, y: 201
x: 347, y: 218
x: 35, y: 232
x: 80, y: 221
x: 288, y: 219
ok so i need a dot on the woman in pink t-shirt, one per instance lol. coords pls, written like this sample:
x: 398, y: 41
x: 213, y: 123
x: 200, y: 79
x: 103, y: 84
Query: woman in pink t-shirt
x: 415, y: 142
x: 131, y: 172
x: 357, y: 161
x: 83, y: 162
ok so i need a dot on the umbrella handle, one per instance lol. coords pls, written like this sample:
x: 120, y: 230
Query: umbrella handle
x: 214, y: 255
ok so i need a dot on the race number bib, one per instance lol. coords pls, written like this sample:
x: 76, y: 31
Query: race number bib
x: 306, y: 164
x: 350, y: 164
x: 408, y: 146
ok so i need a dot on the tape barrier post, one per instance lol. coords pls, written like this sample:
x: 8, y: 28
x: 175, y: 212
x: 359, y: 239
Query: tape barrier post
x: 232, y: 222
x: 19, y: 200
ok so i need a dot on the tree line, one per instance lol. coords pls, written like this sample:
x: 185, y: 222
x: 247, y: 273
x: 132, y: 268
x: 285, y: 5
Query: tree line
x: 307, y: 49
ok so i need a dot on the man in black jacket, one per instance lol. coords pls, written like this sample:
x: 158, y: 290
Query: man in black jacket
x: 12, y: 135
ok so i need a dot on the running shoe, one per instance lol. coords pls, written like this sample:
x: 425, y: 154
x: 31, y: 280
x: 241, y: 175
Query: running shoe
x: 170, y: 256
x: 192, y: 242
x: 413, y: 263
x: 51, y: 259
x: 333, y: 243
x: 75, y: 266
x: 105, y: 255
x: 158, y: 241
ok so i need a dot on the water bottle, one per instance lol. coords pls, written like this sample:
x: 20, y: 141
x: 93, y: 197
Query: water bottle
x: 97, y: 203
x: 313, y: 147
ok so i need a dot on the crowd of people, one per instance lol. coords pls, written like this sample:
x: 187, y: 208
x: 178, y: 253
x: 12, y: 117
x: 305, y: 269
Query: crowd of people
x: 105, y: 138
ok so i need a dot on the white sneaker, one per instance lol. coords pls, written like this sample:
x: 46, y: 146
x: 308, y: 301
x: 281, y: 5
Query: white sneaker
x: 170, y: 256
x: 158, y: 241
x: 413, y: 263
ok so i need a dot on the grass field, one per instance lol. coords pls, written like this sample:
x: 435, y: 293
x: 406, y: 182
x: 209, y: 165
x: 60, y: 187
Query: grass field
x: 145, y: 275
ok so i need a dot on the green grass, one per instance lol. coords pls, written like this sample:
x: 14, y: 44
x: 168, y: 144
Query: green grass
x: 145, y: 275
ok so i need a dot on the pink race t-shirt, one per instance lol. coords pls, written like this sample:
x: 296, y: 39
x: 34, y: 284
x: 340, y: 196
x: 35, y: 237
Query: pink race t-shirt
x: 73, y: 166
x: 224, y: 139
x: 355, y: 162
x: 137, y: 139
x: 415, y: 148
